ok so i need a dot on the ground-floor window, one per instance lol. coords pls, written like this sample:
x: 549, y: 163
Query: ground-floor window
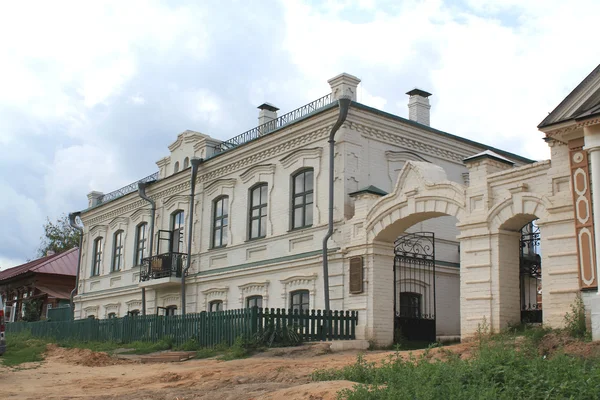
x: 171, y: 310
x: 133, y: 313
x: 254, y: 301
x: 91, y: 316
x: 299, y: 300
x: 410, y: 304
x: 215, y: 305
x: 112, y: 315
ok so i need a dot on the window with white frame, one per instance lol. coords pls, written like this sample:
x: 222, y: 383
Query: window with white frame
x: 141, y: 243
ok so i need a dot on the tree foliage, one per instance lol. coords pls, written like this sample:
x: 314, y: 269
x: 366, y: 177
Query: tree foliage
x: 33, y: 309
x: 58, y: 236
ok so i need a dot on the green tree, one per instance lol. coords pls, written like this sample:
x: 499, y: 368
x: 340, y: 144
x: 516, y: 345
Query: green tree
x: 33, y: 309
x: 58, y: 236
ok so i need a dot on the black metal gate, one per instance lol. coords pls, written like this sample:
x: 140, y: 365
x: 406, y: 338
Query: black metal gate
x: 530, y: 274
x: 414, y: 287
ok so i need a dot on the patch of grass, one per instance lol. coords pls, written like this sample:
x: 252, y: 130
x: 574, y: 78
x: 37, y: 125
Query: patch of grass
x: 239, y: 349
x: 23, y: 348
x: 500, y: 369
x: 147, y: 347
x: 107, y: 347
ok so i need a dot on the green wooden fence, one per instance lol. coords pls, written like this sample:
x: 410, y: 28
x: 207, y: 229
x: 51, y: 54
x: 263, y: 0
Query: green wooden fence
x: 60, y: 314
x: 208, y: 329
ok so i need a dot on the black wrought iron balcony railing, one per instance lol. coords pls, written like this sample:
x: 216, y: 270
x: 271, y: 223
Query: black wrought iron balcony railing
x: 277, y: 123
x: 132, y: 187
x: 162, y: 266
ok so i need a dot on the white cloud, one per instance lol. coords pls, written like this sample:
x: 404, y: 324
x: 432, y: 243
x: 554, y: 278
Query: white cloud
x: 492, y: 79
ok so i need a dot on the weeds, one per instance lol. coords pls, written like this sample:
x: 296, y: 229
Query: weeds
x: 575, y: 323
x: 498, y: 370
x: 22, y: 348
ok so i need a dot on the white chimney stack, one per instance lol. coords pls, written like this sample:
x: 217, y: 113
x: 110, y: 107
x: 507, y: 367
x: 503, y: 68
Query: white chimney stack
x: 344, y: 85
x: 418, y: 106
x: 267, y: 113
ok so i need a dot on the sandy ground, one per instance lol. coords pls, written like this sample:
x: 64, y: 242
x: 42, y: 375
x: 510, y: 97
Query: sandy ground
x: 275, y: 374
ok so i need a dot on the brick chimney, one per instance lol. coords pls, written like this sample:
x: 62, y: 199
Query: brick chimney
x: 418, y: 106
x: 344, y: 85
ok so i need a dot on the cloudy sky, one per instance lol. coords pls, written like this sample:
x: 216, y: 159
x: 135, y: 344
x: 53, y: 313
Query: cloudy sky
x: 92, y: 93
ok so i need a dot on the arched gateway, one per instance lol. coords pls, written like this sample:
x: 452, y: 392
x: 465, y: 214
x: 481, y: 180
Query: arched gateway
x: 487, y: 216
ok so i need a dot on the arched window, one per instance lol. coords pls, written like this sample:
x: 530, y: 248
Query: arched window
x: 302, y: 199
x: 97, y: 257
x: 220, y: 221
x: 258, y: 211
x: 141, y: 243
x: 300, y: 300
x: 177, y: 225
x: 186, y: 163
x: 117, y: 256
x: 176, y: 167
x: 215, y: 305
x: 254, y: 301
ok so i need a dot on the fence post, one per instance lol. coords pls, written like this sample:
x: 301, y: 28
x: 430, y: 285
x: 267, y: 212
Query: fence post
x: 254, y: 320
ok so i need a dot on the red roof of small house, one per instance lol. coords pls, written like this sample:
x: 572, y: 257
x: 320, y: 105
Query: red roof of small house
x: 64, y: 263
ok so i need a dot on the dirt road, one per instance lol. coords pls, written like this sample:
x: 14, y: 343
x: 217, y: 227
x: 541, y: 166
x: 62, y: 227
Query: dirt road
x: 275, y: 374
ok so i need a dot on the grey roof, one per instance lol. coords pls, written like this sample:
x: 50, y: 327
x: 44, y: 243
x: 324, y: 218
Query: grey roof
x: 369, y: 189
x: 489, y: 154
x: 558, y: 114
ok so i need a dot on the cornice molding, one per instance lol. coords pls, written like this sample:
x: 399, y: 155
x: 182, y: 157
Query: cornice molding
x: 283, y: 145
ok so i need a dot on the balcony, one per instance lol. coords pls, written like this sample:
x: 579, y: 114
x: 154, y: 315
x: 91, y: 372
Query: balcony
x: 162, y: 269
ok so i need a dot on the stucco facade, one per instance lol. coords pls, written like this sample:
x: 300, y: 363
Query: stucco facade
x: 392, y: 176
x: 372, y: 147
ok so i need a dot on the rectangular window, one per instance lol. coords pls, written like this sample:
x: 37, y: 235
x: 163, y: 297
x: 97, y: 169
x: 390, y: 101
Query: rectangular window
x: 299, y: 300
x: 117, y: 262
x: 258, y: 212
x: 140, y: 243
x: 410, y: 305
x: 48, y: 308
x: 220, y: 221
x: 302, y: 199
x: 97, y: 259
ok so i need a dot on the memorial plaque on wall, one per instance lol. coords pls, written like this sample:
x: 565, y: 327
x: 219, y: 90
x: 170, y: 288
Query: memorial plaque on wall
x: 356, y: 275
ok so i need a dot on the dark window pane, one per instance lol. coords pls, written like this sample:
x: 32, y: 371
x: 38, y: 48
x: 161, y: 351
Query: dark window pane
x: 309, y: 198
x: 308, y: 180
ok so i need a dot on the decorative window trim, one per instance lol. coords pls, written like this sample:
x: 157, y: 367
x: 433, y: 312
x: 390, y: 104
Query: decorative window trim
x: 178, y: 201
x: 170, y: 300
x: 98, y: 230
x: 110, y: 308
x: 134, y: 305
x: 119, y: 223
x: 215, y: 294
x: 302, y: 155
x: 258, y: 173
x: 140, y: 214
x: 102, y: 240
x: 219, y: 186
x: 90, y: 310
x: 299, y: 282
x: 254, y: 289
x: 136, y: 242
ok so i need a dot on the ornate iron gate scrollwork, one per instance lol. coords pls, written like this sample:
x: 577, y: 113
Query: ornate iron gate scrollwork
x: 530, y: 274
x: 414, y: 287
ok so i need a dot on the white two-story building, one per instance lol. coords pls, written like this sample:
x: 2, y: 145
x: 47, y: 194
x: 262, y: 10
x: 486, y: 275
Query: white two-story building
x: 260, y: 214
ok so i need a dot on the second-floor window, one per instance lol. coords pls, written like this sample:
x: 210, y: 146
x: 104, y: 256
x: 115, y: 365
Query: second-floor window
x: 177, y: 223
x: 258, y: 211
x: 117, y: 259
x: 302, y: 199
x: 220, y: 221
x: 141, y: 243
x: 97, y: 259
